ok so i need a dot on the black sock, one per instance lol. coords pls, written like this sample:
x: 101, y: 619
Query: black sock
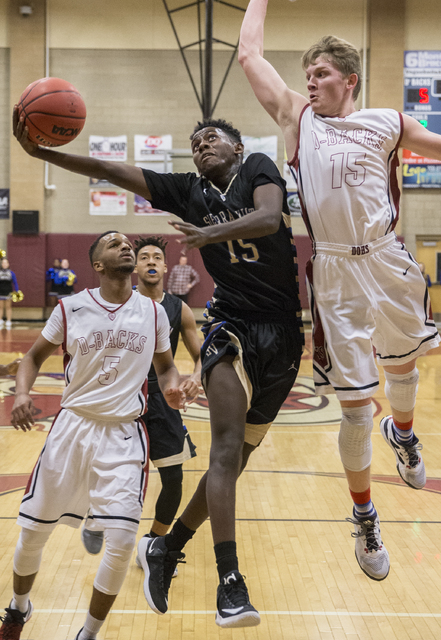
x: 178, y: 536
x: 152, y: 534
x: 226, y: 557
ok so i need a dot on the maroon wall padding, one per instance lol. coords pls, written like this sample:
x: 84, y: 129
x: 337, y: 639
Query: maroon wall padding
x: 75, y: 247
x: 203, y: 291
x: 27, y: 258
x: 31, y: 256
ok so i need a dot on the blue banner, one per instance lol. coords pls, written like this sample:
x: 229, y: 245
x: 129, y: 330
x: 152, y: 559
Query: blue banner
x: 422, y: 176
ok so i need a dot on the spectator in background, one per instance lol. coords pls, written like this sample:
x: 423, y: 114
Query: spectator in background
x: 65, y: 279
x: 50, y: 277
x: 8, y: 284
x: 182, y: 278
x: 425, y: 275
x: 50, y: 273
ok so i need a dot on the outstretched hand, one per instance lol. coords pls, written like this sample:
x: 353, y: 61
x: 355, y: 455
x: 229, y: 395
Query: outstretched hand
x: 21, y: 132
x: 195, y: 237
x: 175, y: 397
x: 192, y: 388
x: 23, y: 411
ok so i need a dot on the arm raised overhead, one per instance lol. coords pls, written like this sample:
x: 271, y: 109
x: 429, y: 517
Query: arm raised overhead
x: 282, y: 104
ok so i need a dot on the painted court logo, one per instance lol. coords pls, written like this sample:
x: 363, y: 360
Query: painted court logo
x: 46, y: 394
x: 301, y: 407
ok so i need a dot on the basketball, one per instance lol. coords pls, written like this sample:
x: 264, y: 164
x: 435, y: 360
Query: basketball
x: 54, y: 111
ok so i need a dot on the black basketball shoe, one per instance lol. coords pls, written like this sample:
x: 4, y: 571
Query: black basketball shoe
x: 234, y: 608
x: 159, y: 565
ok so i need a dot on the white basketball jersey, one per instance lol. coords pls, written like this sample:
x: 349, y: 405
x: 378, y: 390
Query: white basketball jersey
x: 108, y: 352
x: 346, y: 175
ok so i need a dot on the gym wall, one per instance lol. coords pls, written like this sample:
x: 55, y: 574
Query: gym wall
x: 42, y: 249
x: 5, y: 126
x: 123, y: 58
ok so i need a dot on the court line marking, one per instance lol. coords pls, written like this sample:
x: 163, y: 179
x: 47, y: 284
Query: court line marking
x: 303, y: 433
x: 346, y: 614
x: 333, y: 521
x: 285, y: 432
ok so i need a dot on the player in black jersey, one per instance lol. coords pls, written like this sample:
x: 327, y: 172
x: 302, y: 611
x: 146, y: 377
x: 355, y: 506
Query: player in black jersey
x: 169, y: 441
x: 254, y: 334
x: 253, y: 339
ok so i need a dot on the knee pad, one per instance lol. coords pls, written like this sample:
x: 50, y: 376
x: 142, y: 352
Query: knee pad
x: 29, y: 550
x: 401, y: 389
x: 113, y: 567
x: 354, y: 439
x: 169, y: 499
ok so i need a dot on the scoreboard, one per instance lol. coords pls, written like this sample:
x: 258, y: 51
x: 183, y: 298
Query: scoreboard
x: 422, y: 101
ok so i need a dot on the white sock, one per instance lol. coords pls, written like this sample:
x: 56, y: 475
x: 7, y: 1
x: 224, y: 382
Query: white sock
x: 91, y: 628
x: 20, y: 602
x: 365, y: 510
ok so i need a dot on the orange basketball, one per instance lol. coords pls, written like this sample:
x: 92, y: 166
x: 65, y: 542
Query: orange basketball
x: 54, y: 111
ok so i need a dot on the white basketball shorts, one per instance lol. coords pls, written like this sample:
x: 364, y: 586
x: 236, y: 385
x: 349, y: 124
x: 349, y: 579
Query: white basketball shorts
x: 363, y: 297
x: 88, y: 465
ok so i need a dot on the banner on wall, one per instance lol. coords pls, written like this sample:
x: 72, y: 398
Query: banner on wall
x: 108, y: 202
x: 420, y: 172
x: 148, y: 146
x: 4, y: 203
x: 294, y: 203
x: 266, y: 145
x: 112, y: 148
x: 101, y: 182
x: 143, y: 207
x: 291, y: 187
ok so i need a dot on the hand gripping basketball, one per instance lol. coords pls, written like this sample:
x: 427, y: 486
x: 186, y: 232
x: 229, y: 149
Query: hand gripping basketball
x: 54, y: 112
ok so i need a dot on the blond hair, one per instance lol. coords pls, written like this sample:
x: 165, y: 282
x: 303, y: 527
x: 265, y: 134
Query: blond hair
x: 343, y: 55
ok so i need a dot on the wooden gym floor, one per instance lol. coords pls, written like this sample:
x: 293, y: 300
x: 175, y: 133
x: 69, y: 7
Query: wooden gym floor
x: 295, y: 547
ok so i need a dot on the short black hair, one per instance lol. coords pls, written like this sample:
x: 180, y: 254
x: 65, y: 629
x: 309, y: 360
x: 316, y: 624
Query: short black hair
x: 155, y: 241
x: 227, y: 127
x: 95, y: 244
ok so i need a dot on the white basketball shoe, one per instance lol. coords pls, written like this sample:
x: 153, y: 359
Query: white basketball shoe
x: 410, y: 464
x: 371, y: 554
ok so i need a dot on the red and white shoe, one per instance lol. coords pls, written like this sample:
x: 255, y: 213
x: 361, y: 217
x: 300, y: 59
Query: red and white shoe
x: 13, y: 622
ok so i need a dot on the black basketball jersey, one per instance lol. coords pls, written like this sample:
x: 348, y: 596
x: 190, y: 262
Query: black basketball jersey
x: 173, y: 308
x: 256, y: 278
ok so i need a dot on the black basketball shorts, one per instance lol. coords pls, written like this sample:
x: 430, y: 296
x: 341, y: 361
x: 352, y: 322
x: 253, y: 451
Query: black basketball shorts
x: 169, y: 439
x: 267, y: 360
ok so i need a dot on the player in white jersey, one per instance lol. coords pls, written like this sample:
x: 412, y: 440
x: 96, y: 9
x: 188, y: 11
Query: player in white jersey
x: 365, y: 288
x: 170, y: 444
x: 96, y: 455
